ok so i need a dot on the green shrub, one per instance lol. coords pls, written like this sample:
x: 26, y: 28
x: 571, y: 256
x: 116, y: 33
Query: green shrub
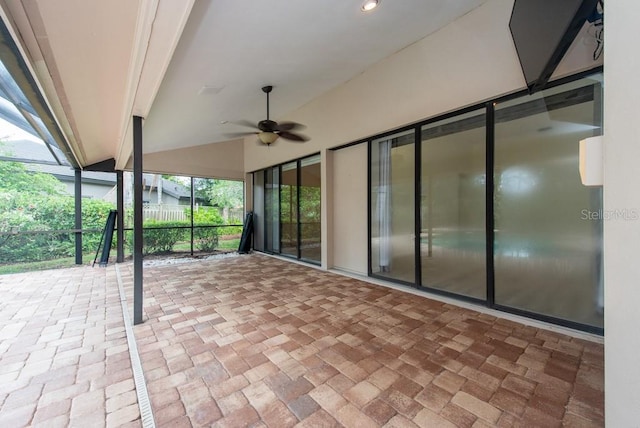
x: 162, y: 240
x: 24, y: 247
x: 205, y: 238
x: 21, y: 212
x: 38, y: 211
x: 208, y: 216
x: 230, y: 230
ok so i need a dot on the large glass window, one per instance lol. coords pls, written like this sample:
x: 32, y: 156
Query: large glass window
x: 548, y: 242
x: 452, y: 205
x: 392, y: 206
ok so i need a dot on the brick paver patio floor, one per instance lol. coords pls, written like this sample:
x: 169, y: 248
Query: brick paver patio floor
x: 64, y: 359
x: 256, y: 341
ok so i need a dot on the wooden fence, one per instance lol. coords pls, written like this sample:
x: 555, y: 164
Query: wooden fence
x: 164, y: 212
x: 179, y: 212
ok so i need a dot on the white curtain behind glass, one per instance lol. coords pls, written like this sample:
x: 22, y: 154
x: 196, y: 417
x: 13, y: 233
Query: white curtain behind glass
x: 384, y: 204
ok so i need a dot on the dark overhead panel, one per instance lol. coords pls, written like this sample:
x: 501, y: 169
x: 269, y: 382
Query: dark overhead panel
x: 107, y: 165
x: 543, y: 31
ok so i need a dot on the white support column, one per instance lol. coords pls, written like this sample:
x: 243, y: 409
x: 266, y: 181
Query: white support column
x: 248, y: 192
x: 622, y: 206
x: 326, y: 200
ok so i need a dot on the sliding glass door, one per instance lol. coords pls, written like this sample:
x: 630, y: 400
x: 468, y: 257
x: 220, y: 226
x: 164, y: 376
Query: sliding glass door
x: 502, y: 216
x: 310, y: 230
x: 287, y: 207
x: 548, y: 239
x: 272, y: 210
x: 258, y: 211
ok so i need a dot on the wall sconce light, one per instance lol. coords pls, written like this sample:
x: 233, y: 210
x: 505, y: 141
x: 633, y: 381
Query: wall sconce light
x: 591, y: 161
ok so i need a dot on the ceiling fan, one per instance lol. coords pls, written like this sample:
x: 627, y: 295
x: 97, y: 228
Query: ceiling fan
x: 269, y: 131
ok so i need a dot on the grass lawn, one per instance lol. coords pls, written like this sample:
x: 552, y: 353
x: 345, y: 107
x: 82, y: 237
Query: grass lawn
x: 223, y: 244
x: 231, y: 244
x: 87, y: 258
x: 66, y: 262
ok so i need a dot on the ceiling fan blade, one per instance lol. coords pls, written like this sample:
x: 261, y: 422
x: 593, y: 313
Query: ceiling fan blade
x: 245, y: 123
x: 289, y: 126
x: 293, y: 137
x: 239, y: 134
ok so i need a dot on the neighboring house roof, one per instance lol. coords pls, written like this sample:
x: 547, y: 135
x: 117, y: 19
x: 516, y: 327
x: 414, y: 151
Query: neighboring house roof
x: 36, y: 157
x: 171, y: 188
x: 66, y: 173
x: 28, y: 151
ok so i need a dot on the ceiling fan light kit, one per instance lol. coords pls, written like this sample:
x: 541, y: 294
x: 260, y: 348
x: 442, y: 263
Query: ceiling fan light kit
x: 269, y: 131
x: 267, y: 137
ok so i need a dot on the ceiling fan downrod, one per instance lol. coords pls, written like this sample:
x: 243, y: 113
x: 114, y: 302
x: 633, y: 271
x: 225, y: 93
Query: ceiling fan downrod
x: 266, y: 90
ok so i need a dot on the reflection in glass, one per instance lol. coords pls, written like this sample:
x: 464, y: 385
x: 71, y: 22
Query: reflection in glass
x: 452, y: 205
x: 258, y: 210
x: 310, y: 225
x: 392, y: 207
x: 272, y: 210
x: 548, y: 256
x: 289, y: 209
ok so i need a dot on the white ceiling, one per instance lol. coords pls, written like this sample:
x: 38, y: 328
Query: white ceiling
x: 100, y: 62
x: 302, y: 48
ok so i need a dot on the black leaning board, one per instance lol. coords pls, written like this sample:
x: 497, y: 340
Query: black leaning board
x: 108, y: 237
x: 247, y: 232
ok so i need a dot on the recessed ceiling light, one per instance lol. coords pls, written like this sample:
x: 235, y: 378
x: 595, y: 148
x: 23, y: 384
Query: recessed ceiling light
x: 369, y: 5
x: 224, y: 122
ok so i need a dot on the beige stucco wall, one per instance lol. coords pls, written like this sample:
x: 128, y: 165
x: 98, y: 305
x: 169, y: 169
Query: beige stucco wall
x: 348, y: 242
x: 218, y: 160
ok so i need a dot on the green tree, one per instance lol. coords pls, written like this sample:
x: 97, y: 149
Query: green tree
x: 14, y: 177
x: 220, y: 193
x: 33, y: 202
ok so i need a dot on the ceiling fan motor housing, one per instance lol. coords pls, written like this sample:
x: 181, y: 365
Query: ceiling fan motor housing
x: 267, y: 125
